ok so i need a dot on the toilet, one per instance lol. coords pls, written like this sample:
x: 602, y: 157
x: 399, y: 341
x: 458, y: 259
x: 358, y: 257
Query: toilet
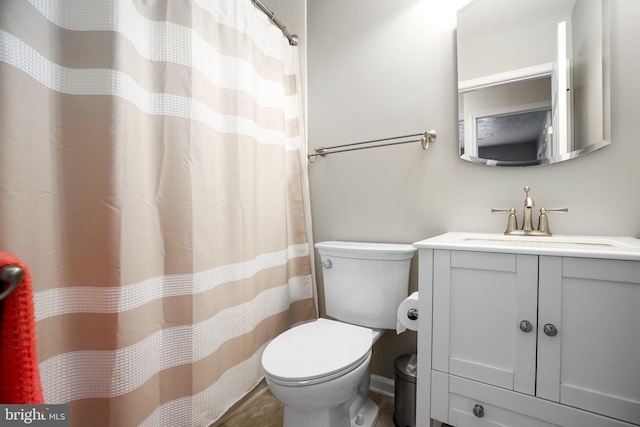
x: 320, y: 370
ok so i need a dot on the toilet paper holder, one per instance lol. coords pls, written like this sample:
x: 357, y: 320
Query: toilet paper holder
x: 412, y: 314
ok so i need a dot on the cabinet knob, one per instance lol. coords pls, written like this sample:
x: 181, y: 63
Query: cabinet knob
x: 526, y: 326
x: 478, y: 411
x: 550, y: 330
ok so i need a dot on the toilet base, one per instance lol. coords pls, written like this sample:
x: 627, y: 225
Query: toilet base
x: 363, y: 411
x: 341, y: 402
x: 367, y: 416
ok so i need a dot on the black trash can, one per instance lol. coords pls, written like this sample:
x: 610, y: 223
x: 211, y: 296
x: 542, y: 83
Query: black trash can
x: 404, y: 414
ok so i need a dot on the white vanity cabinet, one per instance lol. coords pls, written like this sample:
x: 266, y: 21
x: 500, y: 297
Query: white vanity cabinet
x: 526, y: 335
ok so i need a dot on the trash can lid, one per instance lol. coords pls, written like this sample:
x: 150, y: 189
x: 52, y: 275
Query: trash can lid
x: 407, y: 367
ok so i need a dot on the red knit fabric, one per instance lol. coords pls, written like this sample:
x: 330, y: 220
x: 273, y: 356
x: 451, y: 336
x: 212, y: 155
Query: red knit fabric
x: 19, y: 373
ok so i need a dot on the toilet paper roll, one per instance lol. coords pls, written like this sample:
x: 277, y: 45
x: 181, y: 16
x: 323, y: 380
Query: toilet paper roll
x: 404, y: 320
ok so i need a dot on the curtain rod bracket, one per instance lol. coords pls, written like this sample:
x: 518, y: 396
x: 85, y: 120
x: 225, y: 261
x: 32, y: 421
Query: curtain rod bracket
x: 293, y: 38
x: 426, y: 138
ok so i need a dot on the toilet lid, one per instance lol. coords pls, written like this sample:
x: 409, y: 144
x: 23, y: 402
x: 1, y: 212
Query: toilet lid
x: 316, y: 349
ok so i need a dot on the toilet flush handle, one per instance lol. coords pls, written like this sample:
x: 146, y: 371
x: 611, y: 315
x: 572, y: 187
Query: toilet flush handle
x: 327, y: 263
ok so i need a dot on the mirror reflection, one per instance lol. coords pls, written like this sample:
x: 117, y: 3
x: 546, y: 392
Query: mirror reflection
x: 532, y: 80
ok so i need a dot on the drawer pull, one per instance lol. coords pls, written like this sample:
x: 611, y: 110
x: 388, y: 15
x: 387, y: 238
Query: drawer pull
x: 478, y: 411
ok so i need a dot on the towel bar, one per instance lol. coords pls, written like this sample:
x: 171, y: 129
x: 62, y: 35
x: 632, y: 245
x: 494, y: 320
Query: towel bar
x: 426, y: 138
x: 12, y: 274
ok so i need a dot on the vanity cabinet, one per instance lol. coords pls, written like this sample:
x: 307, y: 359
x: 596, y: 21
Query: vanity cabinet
x: 528, y: 339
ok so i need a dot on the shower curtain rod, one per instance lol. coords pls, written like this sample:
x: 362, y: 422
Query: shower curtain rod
x: 293, y: 39
x: 426, y: 138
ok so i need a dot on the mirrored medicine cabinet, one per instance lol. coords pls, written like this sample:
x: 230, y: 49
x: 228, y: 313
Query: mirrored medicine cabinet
x: 533, y: 80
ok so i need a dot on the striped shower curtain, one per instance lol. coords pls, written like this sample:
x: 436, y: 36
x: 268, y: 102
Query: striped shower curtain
x: 151, y: 178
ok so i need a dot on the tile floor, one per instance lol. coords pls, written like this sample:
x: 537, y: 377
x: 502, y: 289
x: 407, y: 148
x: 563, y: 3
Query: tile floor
x: 267, y: 411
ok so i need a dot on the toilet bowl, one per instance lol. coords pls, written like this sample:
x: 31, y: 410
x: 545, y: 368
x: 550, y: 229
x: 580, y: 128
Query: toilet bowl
x: 320, y: 371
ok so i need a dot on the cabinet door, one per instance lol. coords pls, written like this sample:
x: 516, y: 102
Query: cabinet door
x: 593, y: 362
x: 480, y: 299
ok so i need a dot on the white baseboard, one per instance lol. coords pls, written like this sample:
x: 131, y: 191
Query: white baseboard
x: 382, y: 385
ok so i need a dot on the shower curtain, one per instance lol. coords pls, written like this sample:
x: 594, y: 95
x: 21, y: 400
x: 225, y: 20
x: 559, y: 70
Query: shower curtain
x: 152, y: 178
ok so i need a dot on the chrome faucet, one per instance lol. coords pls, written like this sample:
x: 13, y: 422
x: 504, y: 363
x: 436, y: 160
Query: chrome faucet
x: 527, y: 219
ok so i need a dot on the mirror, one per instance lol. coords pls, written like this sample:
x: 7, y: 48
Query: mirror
x: 533, y: 80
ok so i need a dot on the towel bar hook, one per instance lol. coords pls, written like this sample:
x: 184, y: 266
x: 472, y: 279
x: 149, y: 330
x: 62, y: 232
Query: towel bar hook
x: 12, y: 274
x: 427, y: 138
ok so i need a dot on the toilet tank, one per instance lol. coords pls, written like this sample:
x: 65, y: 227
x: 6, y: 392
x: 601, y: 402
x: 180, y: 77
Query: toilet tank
x: 364, y: 283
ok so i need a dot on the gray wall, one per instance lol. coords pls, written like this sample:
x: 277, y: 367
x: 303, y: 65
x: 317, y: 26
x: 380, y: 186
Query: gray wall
x: 379, y: 68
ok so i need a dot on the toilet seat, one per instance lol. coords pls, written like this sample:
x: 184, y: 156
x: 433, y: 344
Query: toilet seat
x: 316, y: 352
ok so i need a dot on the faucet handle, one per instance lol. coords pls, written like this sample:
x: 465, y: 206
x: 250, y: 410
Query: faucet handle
x: 556, y: 210
x: 512, y: 222
x: 543, y: 221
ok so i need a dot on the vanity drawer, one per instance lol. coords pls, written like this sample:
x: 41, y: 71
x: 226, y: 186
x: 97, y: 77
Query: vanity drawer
x: 468, y: 412
x: 506, y: 408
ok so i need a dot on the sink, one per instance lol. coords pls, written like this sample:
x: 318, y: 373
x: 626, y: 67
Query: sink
x: 580, y: 246
x: 551, y: 240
